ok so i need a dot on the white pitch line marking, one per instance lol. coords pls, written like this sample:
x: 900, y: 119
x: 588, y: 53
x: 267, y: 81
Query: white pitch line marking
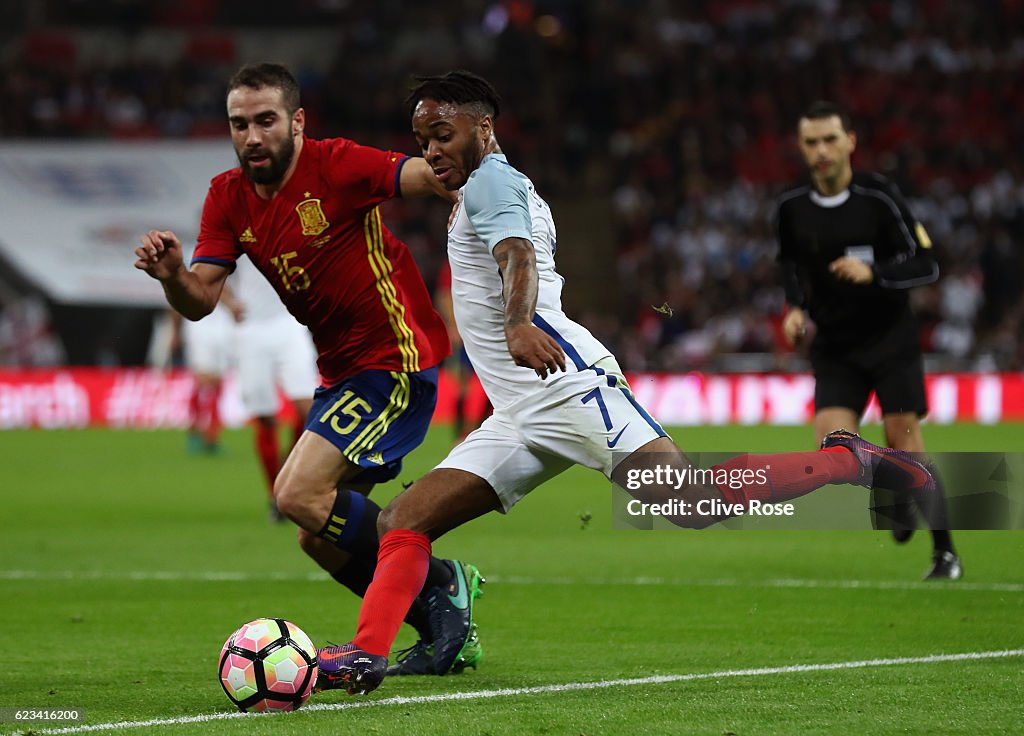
x: 217, y: 576
x: 545, y: 689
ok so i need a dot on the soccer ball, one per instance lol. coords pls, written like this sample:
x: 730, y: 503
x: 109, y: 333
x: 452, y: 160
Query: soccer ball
x: 268, y: 664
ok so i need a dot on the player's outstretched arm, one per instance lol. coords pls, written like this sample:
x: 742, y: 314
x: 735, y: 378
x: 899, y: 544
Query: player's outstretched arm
x: 417, y: 180
x: 193, y: 294
x: 528, y: 345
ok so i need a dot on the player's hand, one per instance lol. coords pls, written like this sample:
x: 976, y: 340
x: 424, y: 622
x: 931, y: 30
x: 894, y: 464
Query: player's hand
x: 531, y: 347
x: 852, y: 269
x: 160, y: 254
x: 794, y: 326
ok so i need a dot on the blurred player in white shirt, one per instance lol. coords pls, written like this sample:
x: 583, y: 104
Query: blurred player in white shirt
x: 275, y: 353
x: 205, y: 348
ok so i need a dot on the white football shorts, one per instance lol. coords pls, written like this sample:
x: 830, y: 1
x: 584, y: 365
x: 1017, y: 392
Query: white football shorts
x: 206, y: 344
x: 588, y: 418
x: 274, y: 353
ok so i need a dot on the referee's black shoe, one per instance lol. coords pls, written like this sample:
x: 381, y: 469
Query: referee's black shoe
x: 945, y: 566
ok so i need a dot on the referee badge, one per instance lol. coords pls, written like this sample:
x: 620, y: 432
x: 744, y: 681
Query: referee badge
x: 922, y: 235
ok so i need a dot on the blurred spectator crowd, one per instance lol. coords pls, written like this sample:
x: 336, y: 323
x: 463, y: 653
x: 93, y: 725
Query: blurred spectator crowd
x: 676, y: 118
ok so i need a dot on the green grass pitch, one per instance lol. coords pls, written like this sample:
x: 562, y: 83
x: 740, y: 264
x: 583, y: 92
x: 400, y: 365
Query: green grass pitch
x: 125, y: 563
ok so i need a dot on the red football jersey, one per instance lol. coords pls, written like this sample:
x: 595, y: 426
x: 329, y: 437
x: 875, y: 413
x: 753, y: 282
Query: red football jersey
x: 321, y: 243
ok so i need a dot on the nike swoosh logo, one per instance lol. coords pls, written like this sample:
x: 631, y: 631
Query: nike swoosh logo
x: 461, y: 598
x: 333, y: 658
x: 612, y: 443
x: 919, y: 476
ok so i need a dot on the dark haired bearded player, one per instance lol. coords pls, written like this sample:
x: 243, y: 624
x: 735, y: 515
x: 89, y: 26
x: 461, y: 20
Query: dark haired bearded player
x: 306, y: 213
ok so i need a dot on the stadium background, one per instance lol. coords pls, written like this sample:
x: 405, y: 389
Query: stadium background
x: 659, y: 131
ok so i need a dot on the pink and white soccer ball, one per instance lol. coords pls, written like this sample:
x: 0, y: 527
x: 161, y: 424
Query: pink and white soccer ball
x: 268, y: 664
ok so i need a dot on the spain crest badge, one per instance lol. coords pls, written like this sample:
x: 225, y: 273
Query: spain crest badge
x: 312, y: 217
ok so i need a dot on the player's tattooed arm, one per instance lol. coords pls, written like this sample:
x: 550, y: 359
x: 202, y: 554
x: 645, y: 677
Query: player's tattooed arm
x: 528, y: 345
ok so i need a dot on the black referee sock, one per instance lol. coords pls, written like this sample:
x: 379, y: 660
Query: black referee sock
x: 936, y: 515
x: 941, y: 540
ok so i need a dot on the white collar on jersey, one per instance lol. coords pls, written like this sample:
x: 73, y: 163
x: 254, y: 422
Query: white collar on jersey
x: 834, y: 201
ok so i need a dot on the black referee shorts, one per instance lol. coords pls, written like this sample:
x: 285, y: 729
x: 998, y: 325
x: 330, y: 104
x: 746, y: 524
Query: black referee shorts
x: 893, y: 369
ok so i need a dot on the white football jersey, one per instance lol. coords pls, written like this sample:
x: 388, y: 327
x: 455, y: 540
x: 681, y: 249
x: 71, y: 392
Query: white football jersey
x: 499, y: 202
x: 255, y: 293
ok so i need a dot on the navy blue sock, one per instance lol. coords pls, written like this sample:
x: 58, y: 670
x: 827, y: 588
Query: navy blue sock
x: 356, y: 575
x: 352, y: 525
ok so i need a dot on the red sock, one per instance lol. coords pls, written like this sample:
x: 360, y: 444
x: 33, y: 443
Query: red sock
x: 207, y: 417
x: 206, y: 397
x: 213, y: 414
x: 266, y: 448
x: 780, y: 477
x: 193, y: 408
x: 402, y: 562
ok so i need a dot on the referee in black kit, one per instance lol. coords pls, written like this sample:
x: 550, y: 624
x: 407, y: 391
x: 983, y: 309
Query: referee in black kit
x: 850, y: 251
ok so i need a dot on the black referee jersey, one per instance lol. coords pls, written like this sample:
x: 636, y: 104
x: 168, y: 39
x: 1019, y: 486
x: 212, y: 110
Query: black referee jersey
x: 869, y: 220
